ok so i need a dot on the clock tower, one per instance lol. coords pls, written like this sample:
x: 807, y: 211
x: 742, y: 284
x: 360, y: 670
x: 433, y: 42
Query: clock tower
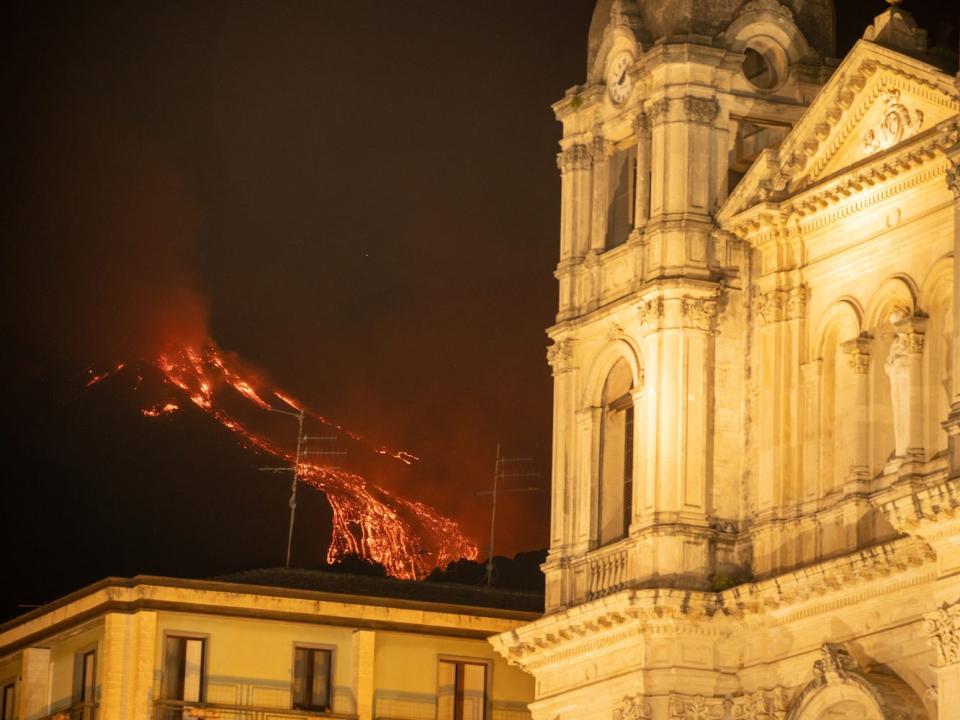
x: 756, y: 426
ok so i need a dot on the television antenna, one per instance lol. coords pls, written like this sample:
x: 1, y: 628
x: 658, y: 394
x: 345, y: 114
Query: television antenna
x: 505, y: 468
x: 299, y: 455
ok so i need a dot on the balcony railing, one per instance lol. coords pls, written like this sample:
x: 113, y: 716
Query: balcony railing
x: 77, y: 711
x: 179, y: 710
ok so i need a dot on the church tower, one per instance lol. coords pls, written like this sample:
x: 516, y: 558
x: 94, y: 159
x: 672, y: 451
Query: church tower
x: 756, y: 437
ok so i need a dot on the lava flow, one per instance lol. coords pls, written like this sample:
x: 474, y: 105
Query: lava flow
x: 407, y: 537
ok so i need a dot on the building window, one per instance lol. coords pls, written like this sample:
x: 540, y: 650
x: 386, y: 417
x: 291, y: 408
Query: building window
x: 8, y: 699
x: 623, y: 182
x: 183, y: 668
x: 84, y: 684
x: 311, y: 678
x: 462, y: 690
x: 616, y: 455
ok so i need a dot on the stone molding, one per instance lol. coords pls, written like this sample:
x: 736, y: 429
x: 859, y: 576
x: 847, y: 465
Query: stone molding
x: 921, y: 510
x: 761, y: 705
x: 778, y: 305
x: 632, y: 707
x: 898, y: 123
x: 944, y: 629
x: 700, y: 109
x: 561, y: 357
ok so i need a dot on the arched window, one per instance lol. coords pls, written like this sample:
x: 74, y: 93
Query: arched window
x: 616, y: 455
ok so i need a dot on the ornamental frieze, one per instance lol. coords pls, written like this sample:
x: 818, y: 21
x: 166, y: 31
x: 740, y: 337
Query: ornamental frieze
x: 944, y: 629
x: 658, y: 110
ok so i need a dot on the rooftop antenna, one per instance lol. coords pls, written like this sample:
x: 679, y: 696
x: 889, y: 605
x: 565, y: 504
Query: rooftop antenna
x: 504, y: 468
x: 300, y: 454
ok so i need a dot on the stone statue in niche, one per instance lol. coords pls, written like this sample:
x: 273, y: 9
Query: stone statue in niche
x: 897, y: 367
x: 897, y: 123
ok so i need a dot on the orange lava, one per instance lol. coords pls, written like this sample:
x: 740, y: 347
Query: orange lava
x: 407, y: 537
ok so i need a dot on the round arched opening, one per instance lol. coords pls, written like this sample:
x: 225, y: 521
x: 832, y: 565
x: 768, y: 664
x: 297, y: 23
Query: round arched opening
x: 764, y: 65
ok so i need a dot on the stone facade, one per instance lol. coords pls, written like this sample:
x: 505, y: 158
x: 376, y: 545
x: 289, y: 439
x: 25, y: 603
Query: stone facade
x: 763, y: 520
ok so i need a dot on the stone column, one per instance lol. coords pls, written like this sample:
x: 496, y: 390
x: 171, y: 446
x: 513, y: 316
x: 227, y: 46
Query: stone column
x: 639, y: 463
x: 601, y: 150
x: 812, y: 377
x: 641, y: 211
x: 952, y: 424
x: 944, y: 629
x: 858, y: 355
x: 575, y: 165
x: 364, y: 650
x: 33, y: 693
x: 905, y: 367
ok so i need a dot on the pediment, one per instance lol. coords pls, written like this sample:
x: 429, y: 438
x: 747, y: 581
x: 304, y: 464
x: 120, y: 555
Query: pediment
x: 876, y: 99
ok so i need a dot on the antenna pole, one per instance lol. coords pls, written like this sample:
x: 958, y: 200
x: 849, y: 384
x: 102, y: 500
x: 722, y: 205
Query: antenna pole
x: 493, y: 517
x: 293, y: 485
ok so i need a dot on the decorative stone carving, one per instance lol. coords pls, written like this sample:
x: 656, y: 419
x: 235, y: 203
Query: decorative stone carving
x: 701, y: 110
x: 944, y: 629
x: 953, y: 179
x: 834, y: 664
x: 699, y: 313
x: 632, y: 707
x: 658, y: 110
x: 761, y: 705
x: 560, y: 356
x: 858, y: 354
x: 777, y: 305
x: 898, y: 123
x: 650, y: 312
x: 614, y: 332
x: 684, y: 707
x: 641, y: 123
x: 601, y: 149
x: 576, y: 157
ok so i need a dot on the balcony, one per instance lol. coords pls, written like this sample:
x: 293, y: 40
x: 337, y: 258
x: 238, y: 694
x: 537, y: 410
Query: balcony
x: 179, y: 710
x: 78, y: 711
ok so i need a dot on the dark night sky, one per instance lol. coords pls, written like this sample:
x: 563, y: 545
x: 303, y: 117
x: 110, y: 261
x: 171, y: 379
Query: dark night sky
x: 359, y: 198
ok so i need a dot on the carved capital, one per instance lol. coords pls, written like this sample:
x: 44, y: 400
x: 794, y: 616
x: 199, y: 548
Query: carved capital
x: 641, y: 123
x: 576, y: 157
x: 700, y: 109
x: 910, y: 335
x: 953, y: 179
x: 858, y: 354
x: 699, y: 313
x: 943, y: 627
x: 650, y: 313
x: 777, y: 305
x: 658, y: 111
x: 697, y: 707
x: 601, y: 149
x: 632, y: 707
x: 560, y: 356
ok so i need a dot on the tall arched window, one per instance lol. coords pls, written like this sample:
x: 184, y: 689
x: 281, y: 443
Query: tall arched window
x: 616, y: 455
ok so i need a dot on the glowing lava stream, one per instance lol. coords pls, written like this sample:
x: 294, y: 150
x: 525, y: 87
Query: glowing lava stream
x: 407, y: 537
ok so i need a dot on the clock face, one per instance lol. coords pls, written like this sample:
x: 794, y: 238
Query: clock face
x: 618, y: 77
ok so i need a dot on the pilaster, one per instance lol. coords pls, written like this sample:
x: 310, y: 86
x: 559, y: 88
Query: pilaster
x: 858, y: 358
x: 127, y: 665
x: 364, y: 649
x: 943, y: 627
x: 33, y: 693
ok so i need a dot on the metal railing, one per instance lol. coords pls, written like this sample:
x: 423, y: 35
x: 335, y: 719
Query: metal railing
x: 180, y: 710
x: 78, y: 711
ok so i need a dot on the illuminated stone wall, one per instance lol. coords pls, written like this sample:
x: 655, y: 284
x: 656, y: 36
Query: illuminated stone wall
x: 785, y: 302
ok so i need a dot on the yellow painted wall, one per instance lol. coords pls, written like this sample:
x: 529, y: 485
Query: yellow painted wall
x: 62, y: 658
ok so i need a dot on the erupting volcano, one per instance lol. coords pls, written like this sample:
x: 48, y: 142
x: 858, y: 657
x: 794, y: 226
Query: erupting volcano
x: 407, y: 537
